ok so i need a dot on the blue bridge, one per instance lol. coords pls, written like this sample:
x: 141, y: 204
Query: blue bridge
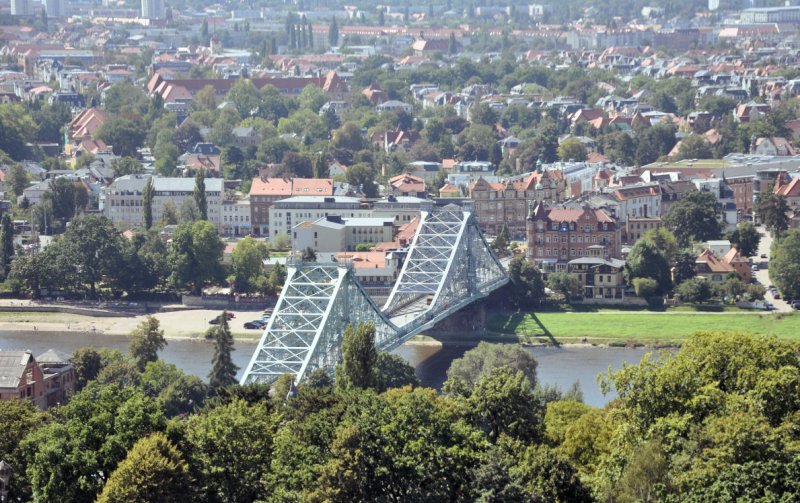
x: 448, y: 266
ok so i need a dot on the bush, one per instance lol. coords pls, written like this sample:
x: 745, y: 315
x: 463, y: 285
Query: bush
x: 645, y: 287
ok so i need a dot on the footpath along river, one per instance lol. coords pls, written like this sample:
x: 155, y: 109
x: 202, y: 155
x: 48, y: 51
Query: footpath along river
x: 557, y: 366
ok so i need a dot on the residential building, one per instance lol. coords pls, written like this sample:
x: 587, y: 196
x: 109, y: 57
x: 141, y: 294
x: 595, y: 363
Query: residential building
x: 775, y: 145
x: 265, y: 191
x: 506, y: 203
x: 395, y: 106
x: 563, y: 233
x: 245, y: 136
x: 789, y: 189
x: 407, y: 185
x: 603, y: 281
x: 332, y: 234
x: 636, y: 227
x: 373, y: 268
x: 236, y: 217
x: 21, y: 378
x: 403, y: 209
x: 122, y: 200
x: 717, y: 269
x: 59, y: 377
x: 284, y: 214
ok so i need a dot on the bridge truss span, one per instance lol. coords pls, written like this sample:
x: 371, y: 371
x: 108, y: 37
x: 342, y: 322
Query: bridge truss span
x: 449, y: 265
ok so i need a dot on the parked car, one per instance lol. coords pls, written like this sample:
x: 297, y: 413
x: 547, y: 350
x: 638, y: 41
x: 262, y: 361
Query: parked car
x: 796, y: 304
x: 776, y: 295
x: 218, y: 318
x: 255, y: 324
x: 763, y: 255
x: 754, y: 267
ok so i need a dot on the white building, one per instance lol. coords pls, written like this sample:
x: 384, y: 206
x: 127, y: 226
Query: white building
x: 153, y: 9
x: 236, y: 218
x: 123, y: 199
x: 22, y: 7
x: 285, y: 214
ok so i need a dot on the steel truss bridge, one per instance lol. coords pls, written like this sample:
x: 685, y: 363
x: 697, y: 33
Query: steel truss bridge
x: 448, y: 266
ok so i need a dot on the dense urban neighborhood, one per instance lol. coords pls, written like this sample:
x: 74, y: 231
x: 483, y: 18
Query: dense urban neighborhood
x: 320, y: 184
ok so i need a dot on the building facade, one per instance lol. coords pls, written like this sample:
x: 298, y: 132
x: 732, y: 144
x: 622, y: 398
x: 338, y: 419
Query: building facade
x: 506, y: 203
x: 561, y: 234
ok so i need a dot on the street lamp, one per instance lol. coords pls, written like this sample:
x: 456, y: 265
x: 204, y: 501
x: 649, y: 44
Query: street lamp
x: 5, y: 476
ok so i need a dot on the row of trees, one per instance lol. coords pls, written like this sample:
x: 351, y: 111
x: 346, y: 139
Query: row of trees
x: 714, y: 421
x: 92, y: 257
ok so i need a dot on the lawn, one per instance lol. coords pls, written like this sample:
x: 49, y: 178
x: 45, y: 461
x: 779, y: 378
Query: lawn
x: 643, y: 327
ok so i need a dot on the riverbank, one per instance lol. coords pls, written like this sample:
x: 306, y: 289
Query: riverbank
x: 188, y: 324
x: 616, y: 328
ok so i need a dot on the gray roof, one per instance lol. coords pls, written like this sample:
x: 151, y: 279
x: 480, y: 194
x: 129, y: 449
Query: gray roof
x: 53, y: 356
x: 174, y: 184
x: 12, y: 366
x: 614, y: 262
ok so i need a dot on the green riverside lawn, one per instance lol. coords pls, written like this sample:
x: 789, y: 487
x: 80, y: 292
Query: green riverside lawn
x: 640, y: 327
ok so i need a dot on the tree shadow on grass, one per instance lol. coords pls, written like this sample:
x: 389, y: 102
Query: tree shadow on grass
x: 545, y: 330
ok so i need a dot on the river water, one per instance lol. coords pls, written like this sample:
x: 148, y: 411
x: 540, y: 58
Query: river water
x: 557, y: 366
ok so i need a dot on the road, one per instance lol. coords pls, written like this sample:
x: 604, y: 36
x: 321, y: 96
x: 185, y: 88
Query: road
x: 762, y: 275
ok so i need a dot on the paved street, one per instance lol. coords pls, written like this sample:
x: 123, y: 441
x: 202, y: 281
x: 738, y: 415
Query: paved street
x: 762, y: 275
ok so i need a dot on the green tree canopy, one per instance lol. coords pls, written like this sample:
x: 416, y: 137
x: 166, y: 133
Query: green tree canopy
x: 148, y: 340
x: 196, y: 256
x: 153, y: 470
x: 695, y: 218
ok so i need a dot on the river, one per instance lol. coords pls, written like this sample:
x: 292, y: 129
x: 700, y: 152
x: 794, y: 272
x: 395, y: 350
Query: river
x: 557, y: 366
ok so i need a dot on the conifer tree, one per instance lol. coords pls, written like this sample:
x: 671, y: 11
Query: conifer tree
x: 147, y: 203
x: 6, y: 244
x: 223, y: 370
x: 200, y: 194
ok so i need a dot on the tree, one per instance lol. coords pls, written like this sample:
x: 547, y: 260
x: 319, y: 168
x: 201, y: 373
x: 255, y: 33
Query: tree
x: 94, y: 247
x: 333, y: 33
x: 244, y: 96
x: 695, y: 147
x: 296, y: 165
x: 62, y: 199
x: 359, y: 358
x: 147, y: 203
x: 695, y: 290
x: 502, y: 241
x: 773, y: 211
x: 482, y: 113
x: 153, y: 470
x: 308, y: 255
x: 195, y: 256
x: 6, y: 244
x: 229, y: 450
x: 645, y: 260
x: 148, y: 340
x: 565, y: 284
x: 503, y: 403
x: 663, y: 240
x: 684, y: 266
x: 17, y: 179
x: 746, y: 239
x: 465, y: 372
x: 123, y: 135
x: 205, y: 99
x: 784, y: 267
x: 247, y: 262
x: 169, y: 214
x: 179, y: 392
x: 392, y: 371
x: 694, y: 218
x: 223, y: 371
x: 126, y: 166
x: 572, y: 149
x: 89, y: 362
x: 19, y: 418
x: 362, y: 176
x: 645, y: 287
x: 70, y: 458
x: 200, y: 194
x: 527, y: 284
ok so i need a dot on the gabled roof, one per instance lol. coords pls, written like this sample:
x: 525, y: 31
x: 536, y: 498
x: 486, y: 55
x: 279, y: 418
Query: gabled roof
x: 271, y: 187
x: 12, y: 367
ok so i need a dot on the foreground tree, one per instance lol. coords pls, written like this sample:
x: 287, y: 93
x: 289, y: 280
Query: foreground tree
x: 527, y: 285
x: 565, y: 284
x: 465, y: 372
x: 247, y: 263
x: 359, y: 358
x: 645, y: 260
x: 223, y: 370
x: 695, y: 290
x: 153, y: 470
x: 229, y: 450
x: 148, y: 340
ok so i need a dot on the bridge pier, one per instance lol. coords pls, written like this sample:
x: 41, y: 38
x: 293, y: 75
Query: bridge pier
x: 468, y: 323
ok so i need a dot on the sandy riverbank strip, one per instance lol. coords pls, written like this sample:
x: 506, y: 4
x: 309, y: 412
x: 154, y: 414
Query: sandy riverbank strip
x: 188, y: 324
